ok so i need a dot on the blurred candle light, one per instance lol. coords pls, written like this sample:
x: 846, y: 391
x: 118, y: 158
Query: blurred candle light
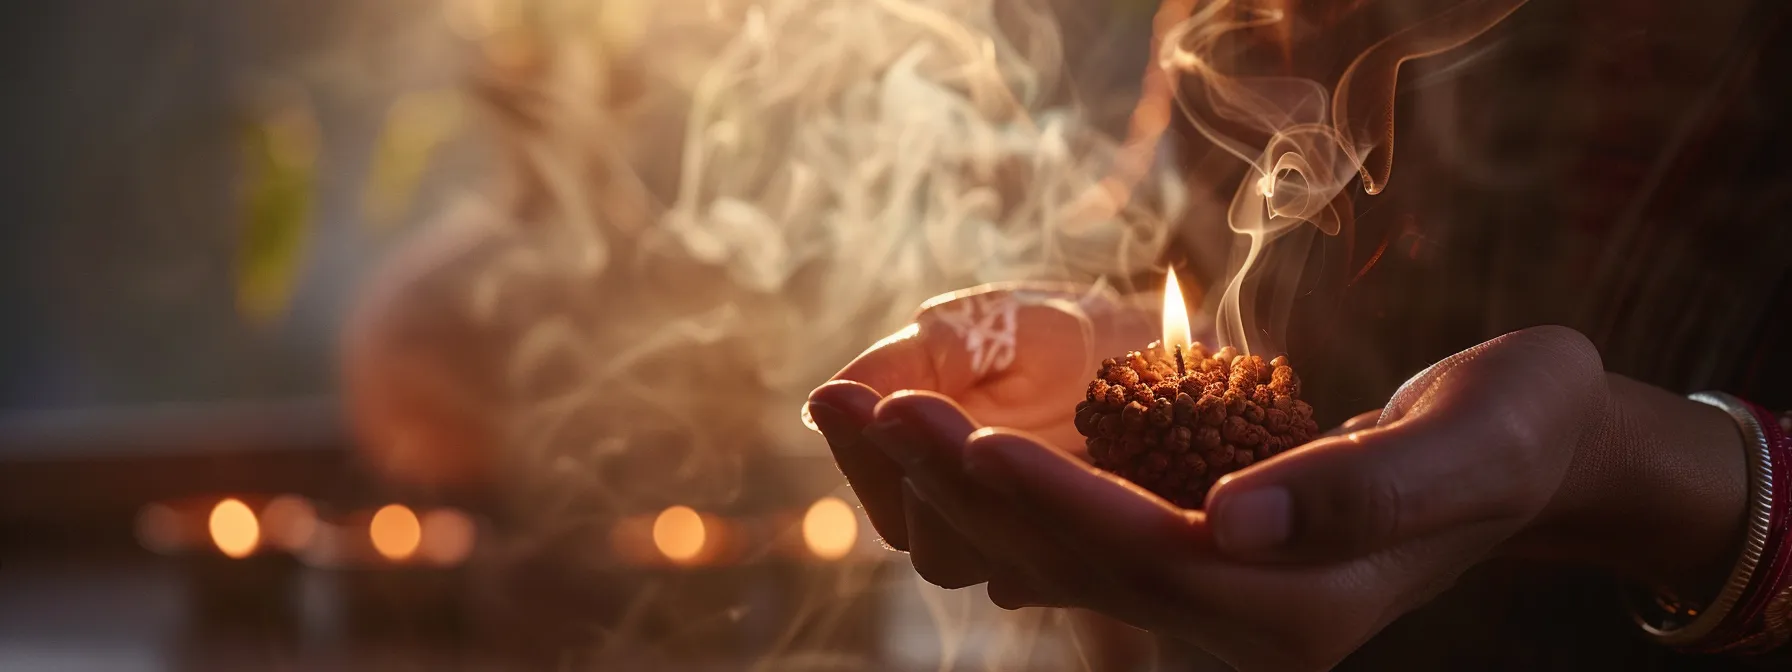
x: 678, y: 534
x: 159, y: 529
x: 289, y: 521
x: 234, y: 528
x: 448, y: 537
x: 395, y: 532
x: 830, y: 528
x: 325, y: 548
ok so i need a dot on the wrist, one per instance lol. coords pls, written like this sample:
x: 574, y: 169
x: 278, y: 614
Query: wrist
x: 1656, y: 492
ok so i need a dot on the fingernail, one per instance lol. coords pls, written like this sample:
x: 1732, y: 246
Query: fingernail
x: 1254, y: 521
x: 897, y: 440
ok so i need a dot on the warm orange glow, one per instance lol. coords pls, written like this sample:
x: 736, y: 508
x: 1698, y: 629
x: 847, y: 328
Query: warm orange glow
x: 1176, y: 329
x: 328, y: 544
x: 159, y: 529
x: 395, y: 532
x: 830, y: 528
x: 678, y: 533
x: 290, y: 521
x: 234, y: 528
x: 448, y: 537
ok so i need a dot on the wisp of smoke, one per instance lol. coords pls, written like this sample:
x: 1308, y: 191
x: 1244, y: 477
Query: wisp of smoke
x: 1319, y: 141
x: 720, y: 202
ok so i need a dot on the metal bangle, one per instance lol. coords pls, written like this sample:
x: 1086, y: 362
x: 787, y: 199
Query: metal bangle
x: 1760, y: 512
x: 1779, y: 614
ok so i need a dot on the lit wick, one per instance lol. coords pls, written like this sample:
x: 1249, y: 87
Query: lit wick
x: 1176, y: 329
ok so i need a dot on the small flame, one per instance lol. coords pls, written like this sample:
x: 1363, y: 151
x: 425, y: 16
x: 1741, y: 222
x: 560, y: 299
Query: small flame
x: 234, y: 528
x: 395, y: 532
x: 1176, y: 330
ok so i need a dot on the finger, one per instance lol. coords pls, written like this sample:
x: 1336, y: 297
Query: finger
x: 921, y: 431
x: 1473, y: 445
x: 898, y: 362
x: 1129, y: 545
x: 925, y: 433
x: 939, y: 553
x: 841, y: 411
x: 1359, y: 422
x: 1011, y: 591
x: 1110, y: 516
x: 1345, y: 496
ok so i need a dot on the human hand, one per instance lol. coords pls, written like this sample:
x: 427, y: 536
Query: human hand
x: 1012, y: 355
x: 1298, y: 560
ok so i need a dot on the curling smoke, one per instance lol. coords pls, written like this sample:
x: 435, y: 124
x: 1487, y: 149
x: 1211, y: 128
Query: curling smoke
x: 1318, y: 140
x: 722, y: 201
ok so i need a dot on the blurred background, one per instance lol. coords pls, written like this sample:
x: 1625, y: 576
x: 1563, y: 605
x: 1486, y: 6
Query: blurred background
x: 205, y: 195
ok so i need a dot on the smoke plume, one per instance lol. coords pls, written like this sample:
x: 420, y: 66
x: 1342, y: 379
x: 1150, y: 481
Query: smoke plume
x: 1319, y: 141
x: 716, y: 204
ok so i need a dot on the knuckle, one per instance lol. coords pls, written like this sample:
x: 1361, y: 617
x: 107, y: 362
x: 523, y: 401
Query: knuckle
x: 1376, y: 511
x: 1521, y: 470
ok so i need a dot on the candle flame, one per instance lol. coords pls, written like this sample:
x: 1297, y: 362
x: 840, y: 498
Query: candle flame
x: 1176, y: 330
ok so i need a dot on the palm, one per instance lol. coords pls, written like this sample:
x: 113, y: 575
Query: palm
x: 1018, y: 357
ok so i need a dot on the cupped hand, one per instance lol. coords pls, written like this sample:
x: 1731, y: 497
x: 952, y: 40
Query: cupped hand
x: 1296, y: 561
x: 1011, y: 355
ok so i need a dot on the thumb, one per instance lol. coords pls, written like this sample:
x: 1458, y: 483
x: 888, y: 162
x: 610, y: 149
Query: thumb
x: 1484, y: 436
x: 1345, y: 496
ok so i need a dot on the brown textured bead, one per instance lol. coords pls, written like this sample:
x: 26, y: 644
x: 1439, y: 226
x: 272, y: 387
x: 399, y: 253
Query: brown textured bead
x: 1207, y: 438
x: 1109, y: 426
x: 1283, y: 381
x: 1210, y: 410
x: 1126, y: 377
x: 1087, y: 416
x: 1274, y: 419
x: 1185, y: 408
x: 1252, y: 413
x: 1176, y: 433
x: 1262, y: 396
x: 1161, y: 414
x: 1133, y: 418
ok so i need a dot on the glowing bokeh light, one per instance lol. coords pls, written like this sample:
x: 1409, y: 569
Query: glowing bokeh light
x: 289, y: 522
x: 830, y: 528
x: 395, y: 532
x: 678, y: 533
x: 159, y: 529
x: 234, y: 528
x: 448, y: 537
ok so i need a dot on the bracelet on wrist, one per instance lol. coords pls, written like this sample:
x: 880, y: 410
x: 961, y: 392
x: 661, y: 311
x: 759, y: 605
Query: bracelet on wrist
x: 1752, y: 613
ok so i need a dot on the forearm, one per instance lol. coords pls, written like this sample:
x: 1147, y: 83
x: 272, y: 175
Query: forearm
x: 1656, y: 492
